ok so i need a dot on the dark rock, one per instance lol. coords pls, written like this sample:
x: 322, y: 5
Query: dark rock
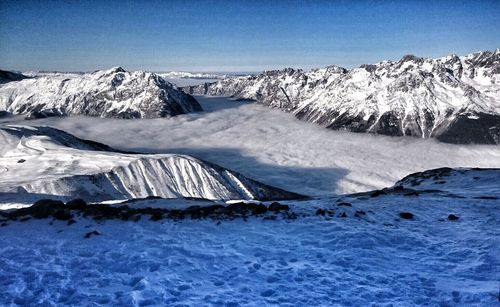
x: 44, y: 208
x: 406, y: 215
x: 487, y: 197
x: 343, y: 214
x: 360, y: 212
x: 412, y: 193
x: 76, y: 204
x: 57, y: 209
x: 260, y: 209
x: 242, y: 209
x: 278, y: 207
x: 321, y: 212
x: 91, y: 233
x: 177, y: 214
x: 344, y: 205
x: 62, y: 214
x: 21, y: 161
x: 156, y: 216
x: 217, y: 210
x: 24, y: 219
x: 453, y: 217
x: 378, y: 193
x: 325, y: 212
x: 237, y: 208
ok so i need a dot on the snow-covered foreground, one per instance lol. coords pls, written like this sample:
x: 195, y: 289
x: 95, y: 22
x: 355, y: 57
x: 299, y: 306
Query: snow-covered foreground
x: 274, y: 147
x: 376, y: 257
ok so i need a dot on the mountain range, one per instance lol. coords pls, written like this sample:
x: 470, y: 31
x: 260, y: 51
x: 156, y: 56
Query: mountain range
x: 454, y: 99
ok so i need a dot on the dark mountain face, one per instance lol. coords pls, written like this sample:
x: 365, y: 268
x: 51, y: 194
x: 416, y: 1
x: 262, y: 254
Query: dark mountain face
x: 8, y: 76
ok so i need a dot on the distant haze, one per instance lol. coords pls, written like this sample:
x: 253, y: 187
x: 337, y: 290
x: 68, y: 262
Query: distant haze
x: 228, y: 36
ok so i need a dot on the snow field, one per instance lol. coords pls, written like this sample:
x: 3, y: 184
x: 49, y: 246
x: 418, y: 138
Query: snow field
x: 313, y: 261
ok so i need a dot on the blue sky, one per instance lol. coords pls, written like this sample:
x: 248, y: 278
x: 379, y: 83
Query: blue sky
x: 237, y: 35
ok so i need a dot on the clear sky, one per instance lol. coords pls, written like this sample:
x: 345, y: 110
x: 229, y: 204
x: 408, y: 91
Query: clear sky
x: 237, y: 35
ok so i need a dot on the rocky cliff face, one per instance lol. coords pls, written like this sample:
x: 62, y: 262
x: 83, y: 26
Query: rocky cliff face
x: 112, y: 93
x: 454, y: 99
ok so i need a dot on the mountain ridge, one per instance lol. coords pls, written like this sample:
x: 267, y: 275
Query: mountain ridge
x: 39, y: 161
x: 113, y: 93
x: 454, y: 99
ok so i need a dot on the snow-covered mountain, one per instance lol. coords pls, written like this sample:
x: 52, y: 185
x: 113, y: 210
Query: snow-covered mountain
x: 454, y: 99
x: 37, y: 162
x: 108, y: 93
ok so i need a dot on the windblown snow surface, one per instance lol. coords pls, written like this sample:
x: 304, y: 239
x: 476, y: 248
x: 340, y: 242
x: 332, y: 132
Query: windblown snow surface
x: 276, y: 148
x: 374, y: 258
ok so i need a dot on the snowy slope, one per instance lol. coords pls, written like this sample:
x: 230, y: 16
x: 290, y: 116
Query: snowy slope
x: 357, y: 255
x: 455, y: 99
x: 37, y: 162
x: 457, y: 181
x: 108, y: 93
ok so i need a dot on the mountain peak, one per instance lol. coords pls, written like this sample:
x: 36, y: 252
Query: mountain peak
x: 116, y: 69
x: 410, y: 57
x: 104, y: 93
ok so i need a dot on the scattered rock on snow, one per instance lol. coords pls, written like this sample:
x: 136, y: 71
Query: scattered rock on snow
x: 58, y: 210
x: 77, y: 203
x: 90, y: 233
x: 344, y: 205
x: 377, y: 193
x: 406, y: 215
x: 63, y: 214
x: 42, y: 208
x: 278, y: 207
x: 325, y: 212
